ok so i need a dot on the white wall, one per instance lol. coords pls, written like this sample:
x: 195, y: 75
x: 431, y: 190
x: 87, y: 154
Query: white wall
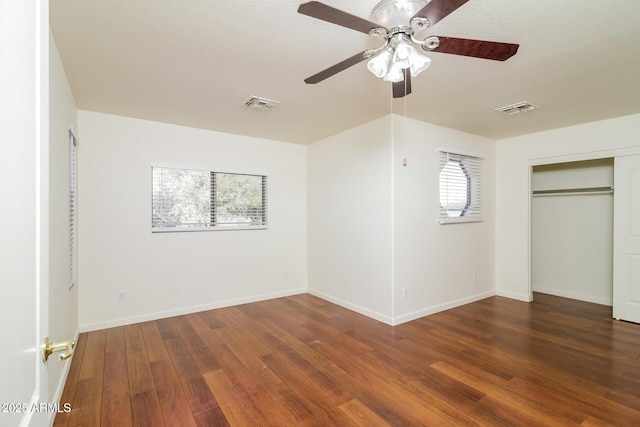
x: 350, y: 219
x: 373, y: 225
x: 63, y: 302
x: 165, y: 274
x: 572, y: 234
x: 437, y: 262
x: 514, y: 158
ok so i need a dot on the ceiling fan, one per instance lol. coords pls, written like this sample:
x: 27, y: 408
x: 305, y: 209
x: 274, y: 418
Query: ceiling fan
x: 397, y: 22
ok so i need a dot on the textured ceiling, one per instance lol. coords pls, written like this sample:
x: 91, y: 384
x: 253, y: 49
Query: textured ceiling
x: 195, y: 62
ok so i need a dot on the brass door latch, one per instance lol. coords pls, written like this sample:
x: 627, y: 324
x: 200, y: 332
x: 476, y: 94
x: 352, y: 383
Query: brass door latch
x: 50, y: 347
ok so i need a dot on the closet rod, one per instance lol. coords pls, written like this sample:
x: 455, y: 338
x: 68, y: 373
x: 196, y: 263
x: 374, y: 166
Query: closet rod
x: 573, y: 191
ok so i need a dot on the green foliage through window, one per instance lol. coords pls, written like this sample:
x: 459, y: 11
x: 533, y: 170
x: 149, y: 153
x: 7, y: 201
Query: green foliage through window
x: 184, y: 199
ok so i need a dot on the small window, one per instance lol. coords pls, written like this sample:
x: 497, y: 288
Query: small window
x: 190, y: 200
x: 459, y: 185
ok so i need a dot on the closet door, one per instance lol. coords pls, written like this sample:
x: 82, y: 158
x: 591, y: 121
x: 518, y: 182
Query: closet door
x: 626, y: 232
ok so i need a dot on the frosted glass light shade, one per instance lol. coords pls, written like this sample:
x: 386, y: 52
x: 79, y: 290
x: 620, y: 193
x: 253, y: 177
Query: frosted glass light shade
x: 419, y: 63
x: 394, y: 75
x: 379, y: 64
x: 403, y: 55
x: 398, y: 55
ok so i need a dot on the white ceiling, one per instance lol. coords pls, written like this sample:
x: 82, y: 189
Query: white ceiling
x: 195, y: 62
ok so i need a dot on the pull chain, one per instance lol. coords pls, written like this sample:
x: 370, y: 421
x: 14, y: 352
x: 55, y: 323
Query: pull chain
x: 404, y: 125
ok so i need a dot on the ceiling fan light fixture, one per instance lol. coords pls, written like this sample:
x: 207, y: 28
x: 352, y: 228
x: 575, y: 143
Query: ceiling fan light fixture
x: 397, y: 22
x: 394, y: 75
x: 379, y: 64
x: 398, y: 55
x: 394, y: 13
x: 419, y: 63
x: 402, y: 55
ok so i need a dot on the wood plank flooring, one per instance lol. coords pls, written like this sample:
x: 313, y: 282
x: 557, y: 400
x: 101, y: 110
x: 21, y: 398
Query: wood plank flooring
x: 302, y: 361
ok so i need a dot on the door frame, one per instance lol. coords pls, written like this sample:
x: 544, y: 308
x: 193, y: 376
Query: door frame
x: 42, y: 211
x: 623, y: 307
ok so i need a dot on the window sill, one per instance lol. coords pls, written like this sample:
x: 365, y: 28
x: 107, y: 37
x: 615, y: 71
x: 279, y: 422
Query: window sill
x: 216, y: 228
x: 458, y: 220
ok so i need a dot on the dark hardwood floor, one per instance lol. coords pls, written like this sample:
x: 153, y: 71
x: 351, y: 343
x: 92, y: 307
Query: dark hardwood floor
x: 303, y: 361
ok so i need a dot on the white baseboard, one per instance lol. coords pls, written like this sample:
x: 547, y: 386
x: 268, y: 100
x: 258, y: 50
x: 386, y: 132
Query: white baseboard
x: 441, y: 307
x: 88, y: 327
x: 576, y: 296
x: 389, y: 320
x: 353, y: 307
x: 62, y: 381
x: 515, y: 296
x: 393, y: 321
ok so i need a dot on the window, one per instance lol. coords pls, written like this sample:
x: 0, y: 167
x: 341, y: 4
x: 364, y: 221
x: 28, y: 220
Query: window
x: 73, y: 203
x: 190, y: 200
x: 460, y: 187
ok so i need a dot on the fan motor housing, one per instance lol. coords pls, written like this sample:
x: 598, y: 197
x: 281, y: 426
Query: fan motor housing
x: 393, y: 13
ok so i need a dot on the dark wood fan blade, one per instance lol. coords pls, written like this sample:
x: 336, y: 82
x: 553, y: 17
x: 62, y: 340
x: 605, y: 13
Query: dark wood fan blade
x: 318, y: 10
x: 403, y: 88
x: 477, y: 48
x: 340, y: 66
x: 437, y: 10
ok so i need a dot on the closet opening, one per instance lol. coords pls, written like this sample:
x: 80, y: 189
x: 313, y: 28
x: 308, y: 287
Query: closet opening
x: 572, y: 230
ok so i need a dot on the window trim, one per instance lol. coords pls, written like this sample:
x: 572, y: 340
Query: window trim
x: 472, y: 211
x: 213, y: 226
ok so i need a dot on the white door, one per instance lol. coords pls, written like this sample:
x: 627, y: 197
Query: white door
x: 626, y: 239
x: 23, y: 211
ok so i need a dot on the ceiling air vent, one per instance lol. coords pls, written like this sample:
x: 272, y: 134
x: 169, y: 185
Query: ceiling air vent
x: 520, y: 107
x: 258, y: 103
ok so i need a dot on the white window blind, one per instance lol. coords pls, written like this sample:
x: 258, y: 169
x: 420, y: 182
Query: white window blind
x: 460, y: 187
x: 73, y: 208
x: 190, y: 200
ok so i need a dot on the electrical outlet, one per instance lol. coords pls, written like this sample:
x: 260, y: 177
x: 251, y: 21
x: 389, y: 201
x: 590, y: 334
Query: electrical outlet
x: 122, y: 295
x: 405, y: 292
x: 475, y: 278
